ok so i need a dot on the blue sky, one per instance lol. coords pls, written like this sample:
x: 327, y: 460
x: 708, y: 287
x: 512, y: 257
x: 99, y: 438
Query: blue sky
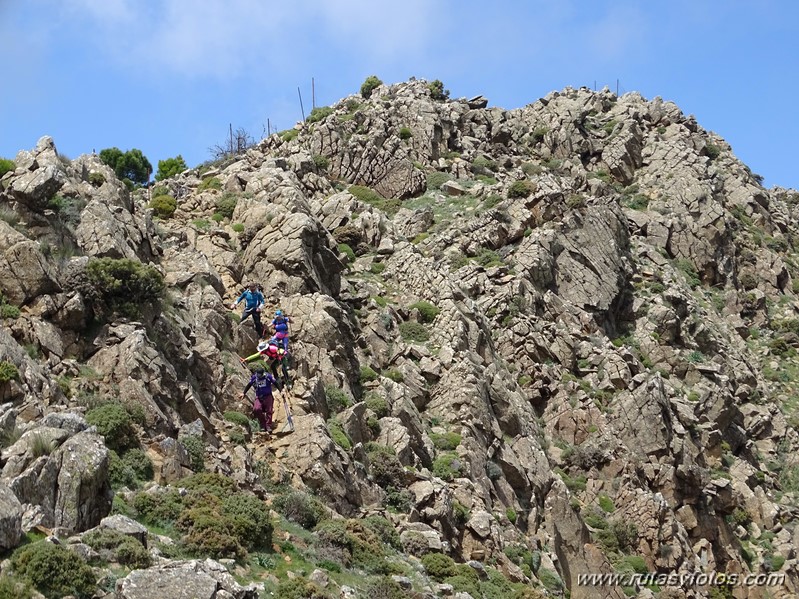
x: 169, y: 76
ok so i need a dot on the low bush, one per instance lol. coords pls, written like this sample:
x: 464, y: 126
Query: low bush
x: 384, y: 466
x: 226, y: 204
x: 8, y: 372
x: 299, y: 507
x: 445, y: 441
x: 520, y: 189
x: 54, y: 570
x: 164, y: 206
x: 115, y: 424
x: 336, y: 399
x: 439, y: 566
x: 338, y: 434
x: 368, y: 374
x: 405, y: 133
x: 414, y: 331
x: 377, y: 404
x: 436, y: 179
x: 321, y: 162
x: 210, y: 183
x: 447, y: 466
x: 124, y: 284
x: 385, y: 530
x: 196, y: 449
x: 427, y: 311
x: 319, y: 113
x: 115, y: 546
x: 369, y: 86
x: 6, y: 165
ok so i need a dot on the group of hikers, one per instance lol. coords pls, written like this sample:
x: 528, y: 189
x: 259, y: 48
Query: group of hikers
x: 272, y: 350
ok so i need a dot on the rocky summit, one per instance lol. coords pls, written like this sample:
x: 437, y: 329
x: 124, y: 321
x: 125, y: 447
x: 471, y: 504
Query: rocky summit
x: 541, y: 352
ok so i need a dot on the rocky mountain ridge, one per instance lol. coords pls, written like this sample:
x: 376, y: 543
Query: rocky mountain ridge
x: 542, y: 342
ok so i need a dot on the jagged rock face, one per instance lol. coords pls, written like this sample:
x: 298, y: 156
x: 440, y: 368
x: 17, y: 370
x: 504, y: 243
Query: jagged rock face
x: 10, y: 518
x: 558, y: 323
x: 26, y: 273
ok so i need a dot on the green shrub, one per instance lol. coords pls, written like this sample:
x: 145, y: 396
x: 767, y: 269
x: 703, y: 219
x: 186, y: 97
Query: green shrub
x: 384, y: 587
x: 164, y: 206
x: 427, y: 311
x: 395, y: 375
x: 299, y: 588
x: 158, y: 509
x: 438, y: 566
x: 377, y: 267
x: 54, y: 570
x: 712, y: 151
x: 520, y: 189
x: 436, y: 179
x: 8, y: 311
x: 606, y: 503
x: 460, y: 513
x: 237, y: 418
x: 299, y: 507
x: 414, y: 331
x: 137, y: 460
x: 318, y: 113
x: 550, y: 580
x: 384, y: 466
x: 210, y: 183
x: 6, y: 165
x: 445, y: 441
x: 289, y: 134
x: 371, y: 197
x: 338, y: 434
x: 321, y: 162
x: 250, y: 520
x: 124, y: 283
x: 97, y: 179
x: 345, y: 249
x: 238, y: 227
x: 369, y: 86
x: 226, y: 204
x: 12, y: 587
x: 618, y: 536
x: 170, y: 167
x: 483, y: 165
x: 377, y: 404
x: 196, y: 449
x: 368, y: 374
x: 114, y: 423
x: 120, y: 474
x: 385, y: 530
x: 115, y: 546
x: 405, y: 133
x: 447, y: 466
x: 437, y: 91
x: 336, y: 398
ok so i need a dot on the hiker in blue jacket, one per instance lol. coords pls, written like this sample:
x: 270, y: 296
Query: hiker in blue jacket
x: 264, y: 403
x: 254, y: 302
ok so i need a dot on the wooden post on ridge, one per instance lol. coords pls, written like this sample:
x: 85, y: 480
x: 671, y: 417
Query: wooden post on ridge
x: 301, y: 108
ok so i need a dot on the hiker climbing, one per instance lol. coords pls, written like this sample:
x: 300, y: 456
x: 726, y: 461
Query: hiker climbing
x: 254, y: 302
x: 281, y: 325
x: 273, y: 354
x: 263, y: 406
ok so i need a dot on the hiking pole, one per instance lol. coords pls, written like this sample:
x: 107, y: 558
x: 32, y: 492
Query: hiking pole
x: 289, y: 418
